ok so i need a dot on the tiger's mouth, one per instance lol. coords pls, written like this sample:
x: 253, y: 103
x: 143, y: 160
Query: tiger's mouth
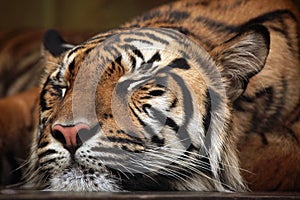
x: 105, y: 175
x: 80, y: 178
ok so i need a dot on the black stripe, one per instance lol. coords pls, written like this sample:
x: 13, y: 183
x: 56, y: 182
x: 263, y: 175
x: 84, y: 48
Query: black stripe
x: 134, y: 136
x: 42, y: 145
x: 58, y: 76
x: 123, y: 140
x: 171, y: 123
x: 150, y: 15
x: 101, y: 149
x: 280, y: 105
x: 128, y: 47
x: 119, y: 60
x: 207, y: 115
x: 76, y: 49
x: 145, y: 107
x: 170, y: 33
x: 47, y: 162
x: 43, y: 102
x: 136, y: 106
x: 180, y: 63
x: 155, y: 57
x: 205, y: 166
x: 112, y: 68
x: 174, y: 103
x: 217, y: 26
x: 156, y: 92
x: 46, y: 153
x: 72, y: 66
x: 178, y: 15
x: 129, y: 40
x: 56, y: 90
x: 264, y: 139
x: 138, y: 53
x: 164, y: 120
x: 156, y: 38
x: 143, y: 88
x: 133, y: 63
x: 44, y: 120
x: 159, y: 141
x: 146, y: 97
x: 137, y: 117
x: 191, y: 148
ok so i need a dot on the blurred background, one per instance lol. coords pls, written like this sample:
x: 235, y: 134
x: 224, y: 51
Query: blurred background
x: 93, y: 15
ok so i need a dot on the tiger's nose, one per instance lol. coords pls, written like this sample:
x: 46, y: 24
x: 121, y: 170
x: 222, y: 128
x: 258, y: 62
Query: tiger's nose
x: 72, y: 136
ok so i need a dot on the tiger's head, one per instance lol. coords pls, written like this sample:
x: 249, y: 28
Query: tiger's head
x: 142, y: 109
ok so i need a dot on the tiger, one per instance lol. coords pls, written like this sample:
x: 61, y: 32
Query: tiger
x: 194, y: 95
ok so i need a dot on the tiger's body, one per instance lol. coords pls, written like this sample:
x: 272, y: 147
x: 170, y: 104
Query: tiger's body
x: 165, y: 102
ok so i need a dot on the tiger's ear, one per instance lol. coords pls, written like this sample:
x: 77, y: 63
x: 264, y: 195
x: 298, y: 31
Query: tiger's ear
x: 54, y: 45
x: 242, y: 57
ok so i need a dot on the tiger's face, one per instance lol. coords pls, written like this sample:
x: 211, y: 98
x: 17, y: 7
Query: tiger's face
x: 144, y: 109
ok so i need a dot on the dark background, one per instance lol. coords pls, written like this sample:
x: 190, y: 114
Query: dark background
x: 93, y: 15
x: 87, y: 15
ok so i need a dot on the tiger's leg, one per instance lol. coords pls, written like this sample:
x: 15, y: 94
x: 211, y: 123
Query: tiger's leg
x: 273, y: 162
x: 18, y: 119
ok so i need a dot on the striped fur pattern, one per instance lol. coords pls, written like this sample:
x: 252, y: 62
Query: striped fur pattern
x: 164, y: 98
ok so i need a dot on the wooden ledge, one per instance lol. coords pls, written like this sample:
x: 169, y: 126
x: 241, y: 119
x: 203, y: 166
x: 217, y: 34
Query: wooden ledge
x: 26, y: 195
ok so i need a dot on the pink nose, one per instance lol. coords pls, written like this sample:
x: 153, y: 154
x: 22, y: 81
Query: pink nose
x: 69, y: 135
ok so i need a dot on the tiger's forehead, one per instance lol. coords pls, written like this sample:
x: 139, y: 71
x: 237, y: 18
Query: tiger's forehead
x: 142, y: 53
x: 139, y: 44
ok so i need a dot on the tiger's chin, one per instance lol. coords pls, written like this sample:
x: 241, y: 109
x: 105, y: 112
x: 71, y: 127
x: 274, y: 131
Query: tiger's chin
x: 78, y: 179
